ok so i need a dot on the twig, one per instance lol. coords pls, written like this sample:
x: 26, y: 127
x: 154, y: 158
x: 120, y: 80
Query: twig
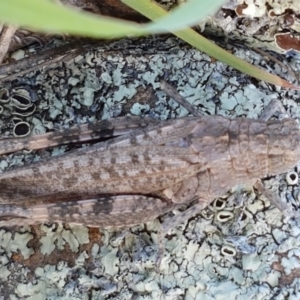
x: 7, y: 34
x: 50, y: 56
x: 277, y: 61
x: 172, y: 92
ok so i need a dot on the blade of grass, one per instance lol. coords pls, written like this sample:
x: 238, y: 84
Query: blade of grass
x: 185, y: 15
x: 153, y: 11
x: 46, y: 16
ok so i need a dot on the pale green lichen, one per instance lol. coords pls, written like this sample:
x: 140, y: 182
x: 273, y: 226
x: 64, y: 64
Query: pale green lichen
x: 123, y: 265
x: 109, y: 260
x: 87, y: 96
x: 106, y: 78
x: 124, y: 92
x: 19, y: 54
x: 17, y: 242
x: 251, y: 262
x: 272, y: 278
x: 4, y: 271
x: 59, y: 237
x: 290, y: 263
x: 3, y: 165
x: 137, y: 109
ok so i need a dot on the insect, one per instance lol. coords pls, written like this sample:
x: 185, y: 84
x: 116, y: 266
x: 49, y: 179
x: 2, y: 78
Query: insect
x: 144, y: 172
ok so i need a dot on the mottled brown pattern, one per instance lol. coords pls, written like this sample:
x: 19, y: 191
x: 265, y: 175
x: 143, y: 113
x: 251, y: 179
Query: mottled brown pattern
x: 206, y: 157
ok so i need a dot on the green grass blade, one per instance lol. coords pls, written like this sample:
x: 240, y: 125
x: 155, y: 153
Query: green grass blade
x: 188, y: 14
x: 47, y: 16
x: 44, y: 15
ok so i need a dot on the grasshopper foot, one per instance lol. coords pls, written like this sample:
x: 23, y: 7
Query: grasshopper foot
x: 285, y: 208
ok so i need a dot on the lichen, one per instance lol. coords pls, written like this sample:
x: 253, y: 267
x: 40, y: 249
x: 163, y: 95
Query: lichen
x: 75, y: 262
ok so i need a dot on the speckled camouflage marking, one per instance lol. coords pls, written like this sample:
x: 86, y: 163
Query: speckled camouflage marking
x: 177, y: 161
x: 114, y: 211
x: 94, y: 174
x: 79, y: 133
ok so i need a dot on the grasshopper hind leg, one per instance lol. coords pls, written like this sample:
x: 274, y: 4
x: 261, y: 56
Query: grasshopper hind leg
x: 273, y: 108
x: 174, y: 221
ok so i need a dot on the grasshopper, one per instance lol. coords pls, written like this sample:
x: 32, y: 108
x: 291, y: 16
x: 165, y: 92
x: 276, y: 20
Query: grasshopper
x: 151, y: 168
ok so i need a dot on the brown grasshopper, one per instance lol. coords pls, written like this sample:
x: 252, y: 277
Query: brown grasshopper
x: 137, y: 176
